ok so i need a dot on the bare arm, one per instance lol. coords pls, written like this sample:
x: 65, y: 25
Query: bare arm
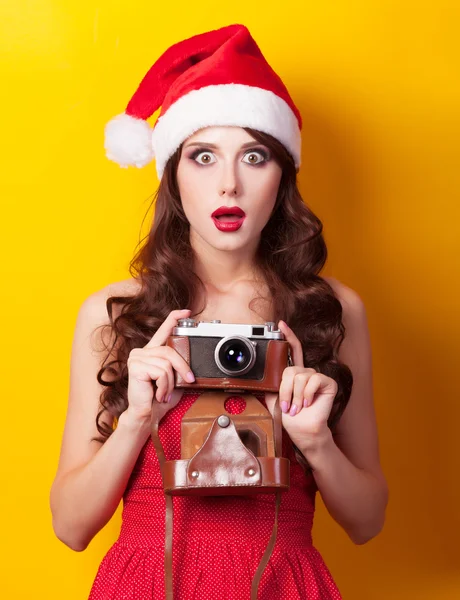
x: 347, y: 467
x: 91, y: 477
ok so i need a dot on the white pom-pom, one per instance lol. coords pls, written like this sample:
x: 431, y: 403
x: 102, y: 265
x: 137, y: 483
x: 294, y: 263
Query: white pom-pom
x: 128, y: 141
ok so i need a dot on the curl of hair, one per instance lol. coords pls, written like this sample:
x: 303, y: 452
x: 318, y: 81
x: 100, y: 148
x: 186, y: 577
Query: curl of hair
x: 290, y: 256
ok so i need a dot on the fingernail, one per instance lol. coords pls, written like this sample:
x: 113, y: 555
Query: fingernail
x: 305, y: 403
x: 284, y: 407
x: 293, y: 410
x: 169, y: 398
x: 190, y: 377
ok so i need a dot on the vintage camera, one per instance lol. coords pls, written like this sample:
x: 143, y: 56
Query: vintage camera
x: 232, y: 356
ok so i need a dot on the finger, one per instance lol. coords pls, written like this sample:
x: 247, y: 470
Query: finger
x: 162, y: 396
x: 142, y: 371
x: 286, y: 385
x: 294, y: 343
x: 176, y: 360
x: 165, y: 330
x: 313, y: 385
x: 147, y: 357
x: 159, y: 375
x: 300, y: 381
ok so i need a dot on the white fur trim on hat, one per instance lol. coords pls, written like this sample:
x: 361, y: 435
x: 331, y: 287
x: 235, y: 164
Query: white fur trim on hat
x: 226, y: 104
x: 128, y: 141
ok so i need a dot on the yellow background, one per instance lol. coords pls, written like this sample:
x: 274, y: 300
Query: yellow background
x: 377, y: 85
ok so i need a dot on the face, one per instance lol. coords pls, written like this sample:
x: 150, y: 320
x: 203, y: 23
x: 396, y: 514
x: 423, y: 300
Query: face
x: 227, y: 167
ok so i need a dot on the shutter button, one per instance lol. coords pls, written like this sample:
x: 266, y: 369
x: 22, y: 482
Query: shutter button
x: 223, y: 421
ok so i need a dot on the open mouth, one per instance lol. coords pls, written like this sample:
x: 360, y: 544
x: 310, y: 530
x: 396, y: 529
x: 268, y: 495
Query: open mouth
x: 228, y: 218
x: 228, y: 222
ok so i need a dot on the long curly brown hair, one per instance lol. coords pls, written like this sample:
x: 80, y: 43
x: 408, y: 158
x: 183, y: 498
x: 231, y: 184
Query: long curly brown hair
x: 290, y: 255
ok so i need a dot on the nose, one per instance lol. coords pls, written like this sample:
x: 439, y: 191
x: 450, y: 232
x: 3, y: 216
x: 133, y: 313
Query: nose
x: 228, y: 183
x: 228, y: 192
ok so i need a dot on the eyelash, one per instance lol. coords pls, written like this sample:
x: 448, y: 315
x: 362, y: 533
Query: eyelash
x: 261, y: 151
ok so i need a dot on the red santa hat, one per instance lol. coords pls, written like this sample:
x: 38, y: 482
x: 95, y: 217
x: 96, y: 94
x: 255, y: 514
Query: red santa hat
x: 215, y: 78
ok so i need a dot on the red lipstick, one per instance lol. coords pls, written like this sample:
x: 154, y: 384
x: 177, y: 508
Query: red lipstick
x: 228, y: 218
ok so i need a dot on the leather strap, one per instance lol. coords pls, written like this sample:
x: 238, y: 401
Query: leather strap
x: 268, y: 551
x: 157, y: 414
x: 271, y: 544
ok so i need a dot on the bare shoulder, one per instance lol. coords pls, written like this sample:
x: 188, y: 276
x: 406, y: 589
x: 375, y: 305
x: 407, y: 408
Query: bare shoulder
x: 356, y: 344
x: 95, y: 305
x: 348, y: 297
x: 125, y: 287
x: 93, y: 317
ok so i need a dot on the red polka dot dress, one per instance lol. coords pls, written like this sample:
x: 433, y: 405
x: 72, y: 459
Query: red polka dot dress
x: 218, y: 541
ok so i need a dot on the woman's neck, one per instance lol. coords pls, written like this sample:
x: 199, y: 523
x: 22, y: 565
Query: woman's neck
x: 222, y: 270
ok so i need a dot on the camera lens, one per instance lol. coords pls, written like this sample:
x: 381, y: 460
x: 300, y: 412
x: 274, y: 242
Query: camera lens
x: 235, y: 355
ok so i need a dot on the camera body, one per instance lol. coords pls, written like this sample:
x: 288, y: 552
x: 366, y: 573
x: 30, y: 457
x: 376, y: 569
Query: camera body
x: 232, y: 356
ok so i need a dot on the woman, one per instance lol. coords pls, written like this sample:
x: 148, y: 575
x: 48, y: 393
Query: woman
x: 228, y: 138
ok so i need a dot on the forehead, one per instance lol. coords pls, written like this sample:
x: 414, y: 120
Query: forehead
x: 220, y: 136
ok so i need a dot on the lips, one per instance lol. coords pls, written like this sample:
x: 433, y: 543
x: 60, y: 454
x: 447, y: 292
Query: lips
x: 228, y: 218
x: 229, y: 211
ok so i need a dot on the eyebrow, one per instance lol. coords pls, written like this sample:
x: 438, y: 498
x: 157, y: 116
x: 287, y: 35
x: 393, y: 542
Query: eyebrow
x: 215, y: 146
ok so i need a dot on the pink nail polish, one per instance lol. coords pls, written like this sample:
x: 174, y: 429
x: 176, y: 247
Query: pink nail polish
x: 284, y: 407
x: 169, y: 398
x: 293, y: 410
x: 305, y: 403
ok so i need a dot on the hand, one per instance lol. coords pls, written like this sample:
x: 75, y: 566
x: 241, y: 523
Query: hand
x: 308, y: 397
x: 154, y: 363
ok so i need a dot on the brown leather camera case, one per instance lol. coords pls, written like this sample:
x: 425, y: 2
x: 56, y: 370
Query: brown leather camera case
x: 214, y: 459
x: 275, y: 362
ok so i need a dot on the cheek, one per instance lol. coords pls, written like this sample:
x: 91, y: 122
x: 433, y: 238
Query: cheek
x: 190, y: 186
x: 265, y: 191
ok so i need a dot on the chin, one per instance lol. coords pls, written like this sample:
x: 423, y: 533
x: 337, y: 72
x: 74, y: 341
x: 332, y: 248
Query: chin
x: 229, y: 245
x: 229, y: 241
x: 225, y: 241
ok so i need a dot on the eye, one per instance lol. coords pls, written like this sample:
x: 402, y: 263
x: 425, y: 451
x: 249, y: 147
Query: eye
x: 254, y: 154
x: 205, y: 153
